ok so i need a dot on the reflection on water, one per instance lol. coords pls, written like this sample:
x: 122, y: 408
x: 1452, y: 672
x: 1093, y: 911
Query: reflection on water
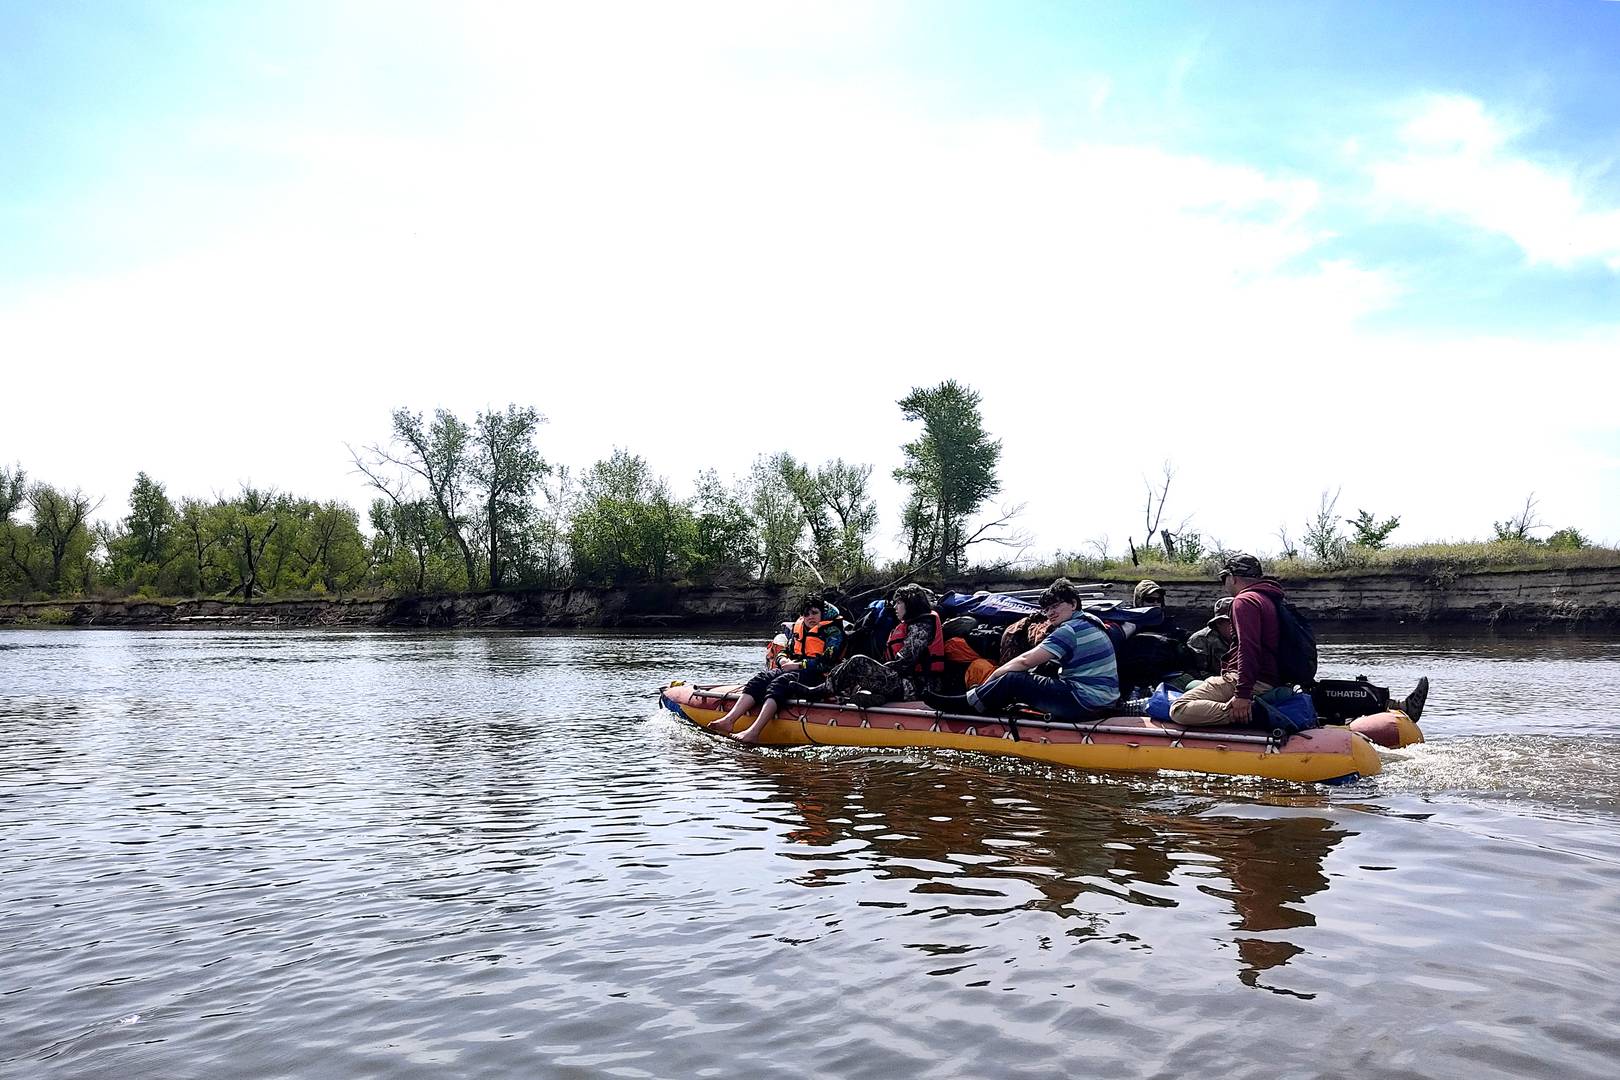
x: 960, y: 844
x: 343, y: 854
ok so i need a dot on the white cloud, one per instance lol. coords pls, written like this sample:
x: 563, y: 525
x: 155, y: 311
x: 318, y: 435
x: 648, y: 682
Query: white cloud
x: 703, y: 263
x: 1456, y: 159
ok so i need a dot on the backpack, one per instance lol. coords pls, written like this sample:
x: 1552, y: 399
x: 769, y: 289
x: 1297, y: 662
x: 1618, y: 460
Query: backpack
x: 1147, y: 658
x: 1285, y: 712
x: 1296, y: 645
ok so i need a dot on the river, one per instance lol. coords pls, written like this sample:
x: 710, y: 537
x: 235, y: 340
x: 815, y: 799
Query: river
x: 343, y: 854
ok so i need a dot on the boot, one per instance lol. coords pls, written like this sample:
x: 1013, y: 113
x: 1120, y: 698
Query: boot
x: 1412, y: 704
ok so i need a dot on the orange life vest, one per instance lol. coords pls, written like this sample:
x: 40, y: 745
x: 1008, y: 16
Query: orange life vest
x: 809, y: 641
x: 930, y: 663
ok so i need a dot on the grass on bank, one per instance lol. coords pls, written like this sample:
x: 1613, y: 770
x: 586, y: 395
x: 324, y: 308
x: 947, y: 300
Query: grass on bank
x: 1442, y: 563
x: 1437, y: 560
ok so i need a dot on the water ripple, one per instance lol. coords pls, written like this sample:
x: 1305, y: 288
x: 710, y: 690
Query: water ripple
x: 342, y: 854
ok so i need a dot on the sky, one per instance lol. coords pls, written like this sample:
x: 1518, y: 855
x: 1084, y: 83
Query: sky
x: 1369, y: 248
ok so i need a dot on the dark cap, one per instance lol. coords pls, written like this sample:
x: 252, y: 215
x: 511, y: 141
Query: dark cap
x: 1144, y: 591
x: 1242, y: 565
x: 1223, y: 608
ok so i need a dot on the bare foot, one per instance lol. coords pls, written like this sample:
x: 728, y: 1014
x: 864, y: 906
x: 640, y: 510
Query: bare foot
x: 715, y: 726
x: 748, y: 738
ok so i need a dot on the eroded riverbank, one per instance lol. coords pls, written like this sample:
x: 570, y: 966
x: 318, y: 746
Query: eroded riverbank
x: 1580, y: 597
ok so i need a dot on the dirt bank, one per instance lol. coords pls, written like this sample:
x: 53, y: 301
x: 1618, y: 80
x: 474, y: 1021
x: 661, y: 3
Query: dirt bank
x: 1576, y: 597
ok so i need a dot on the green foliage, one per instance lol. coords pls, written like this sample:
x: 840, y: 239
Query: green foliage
x: 724, y: 544
x: 13, y: 488
x: 245, y: 526
x: 1568, y: 539
x: 1322, y: 539
x: 778, y: 516
x: 1189, y: 548
x: 1368, y: 532
x: 439, y: 456
x: 627, y: 528
x: 409, y: 552
x: 505, y: 468
x: 549, y: 550
x: 950, y: 469
x: 145, y: 545
x: 53, y: 554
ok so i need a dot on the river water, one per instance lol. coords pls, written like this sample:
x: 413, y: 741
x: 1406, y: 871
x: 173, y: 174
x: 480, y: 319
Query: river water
x: 236, y: 854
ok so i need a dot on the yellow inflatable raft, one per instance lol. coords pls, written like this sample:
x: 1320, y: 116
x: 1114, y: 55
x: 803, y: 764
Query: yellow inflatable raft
x: 1124, y: 743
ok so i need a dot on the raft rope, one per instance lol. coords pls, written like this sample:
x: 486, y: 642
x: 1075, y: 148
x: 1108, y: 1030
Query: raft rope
x: 1097, y: 727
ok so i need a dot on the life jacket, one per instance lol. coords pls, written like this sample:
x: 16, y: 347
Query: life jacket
x: 931, y: 663
x: 810, y: 641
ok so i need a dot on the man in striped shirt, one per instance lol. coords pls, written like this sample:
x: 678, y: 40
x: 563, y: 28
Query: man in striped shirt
x: 1088, y: 678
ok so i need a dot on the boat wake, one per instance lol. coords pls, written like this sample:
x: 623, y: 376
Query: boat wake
x: 1565, y: 771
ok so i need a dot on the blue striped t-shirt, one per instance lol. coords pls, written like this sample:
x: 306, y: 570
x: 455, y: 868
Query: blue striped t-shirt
x: 1086, y: 655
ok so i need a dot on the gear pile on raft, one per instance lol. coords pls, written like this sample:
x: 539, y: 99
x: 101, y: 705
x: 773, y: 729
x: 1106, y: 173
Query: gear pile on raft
x: 1069, y: 676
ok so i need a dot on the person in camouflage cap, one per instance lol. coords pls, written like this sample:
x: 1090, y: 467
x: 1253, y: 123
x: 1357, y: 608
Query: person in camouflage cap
x: 1147, y: 594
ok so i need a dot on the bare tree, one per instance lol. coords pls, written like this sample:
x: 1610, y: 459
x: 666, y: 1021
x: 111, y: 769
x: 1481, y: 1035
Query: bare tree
x: 1153, y: 514
x: 1521, y: 524
x: 1289, y: 549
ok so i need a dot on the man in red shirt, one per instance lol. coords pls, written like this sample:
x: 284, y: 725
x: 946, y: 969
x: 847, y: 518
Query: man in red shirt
x: 1250, y: 667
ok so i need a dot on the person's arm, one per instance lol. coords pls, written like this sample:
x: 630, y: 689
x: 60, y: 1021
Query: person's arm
x: 1247, y: 617
x: 918, y: 637
x: 1029, y: 661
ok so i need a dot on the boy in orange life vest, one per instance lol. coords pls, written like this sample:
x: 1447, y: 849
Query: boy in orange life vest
x: 914, y: 656
x: 800, y: 670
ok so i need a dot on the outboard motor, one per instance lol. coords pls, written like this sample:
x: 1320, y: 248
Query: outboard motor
x: 1339, y: 701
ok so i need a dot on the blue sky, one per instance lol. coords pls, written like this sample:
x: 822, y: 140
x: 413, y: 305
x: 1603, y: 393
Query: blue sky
x: 316, y: 212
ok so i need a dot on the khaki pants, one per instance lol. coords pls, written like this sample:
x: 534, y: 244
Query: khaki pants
x: 1206, y: 705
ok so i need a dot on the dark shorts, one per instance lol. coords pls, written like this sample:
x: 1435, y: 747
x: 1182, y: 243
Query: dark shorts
x: 780, y: 686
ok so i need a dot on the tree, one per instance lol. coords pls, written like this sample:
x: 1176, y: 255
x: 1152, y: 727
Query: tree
x: 723, y: 540
x: 626, y: 526
x: 1290, y: 550
x: 551, y: 550
x: 59, y: 526
x: 251, y: 520
x: 838, y: 512
x: 408, y: 546
x: 1568, y: 539
x: 1154, y: 514
x: 777, y: 516
x: 1368, y: 532
x: 1520, y: 525
x: 1322, y: 538
x: 505, y: 469
x: 145, y: 544
x: 13, y: 489
x: 439, y: 456
x: 950, y: 469
x: 328, y: 547
x: 201, y: 530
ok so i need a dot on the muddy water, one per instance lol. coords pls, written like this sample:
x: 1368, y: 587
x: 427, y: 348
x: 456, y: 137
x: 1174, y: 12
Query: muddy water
x: 344, y: 855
